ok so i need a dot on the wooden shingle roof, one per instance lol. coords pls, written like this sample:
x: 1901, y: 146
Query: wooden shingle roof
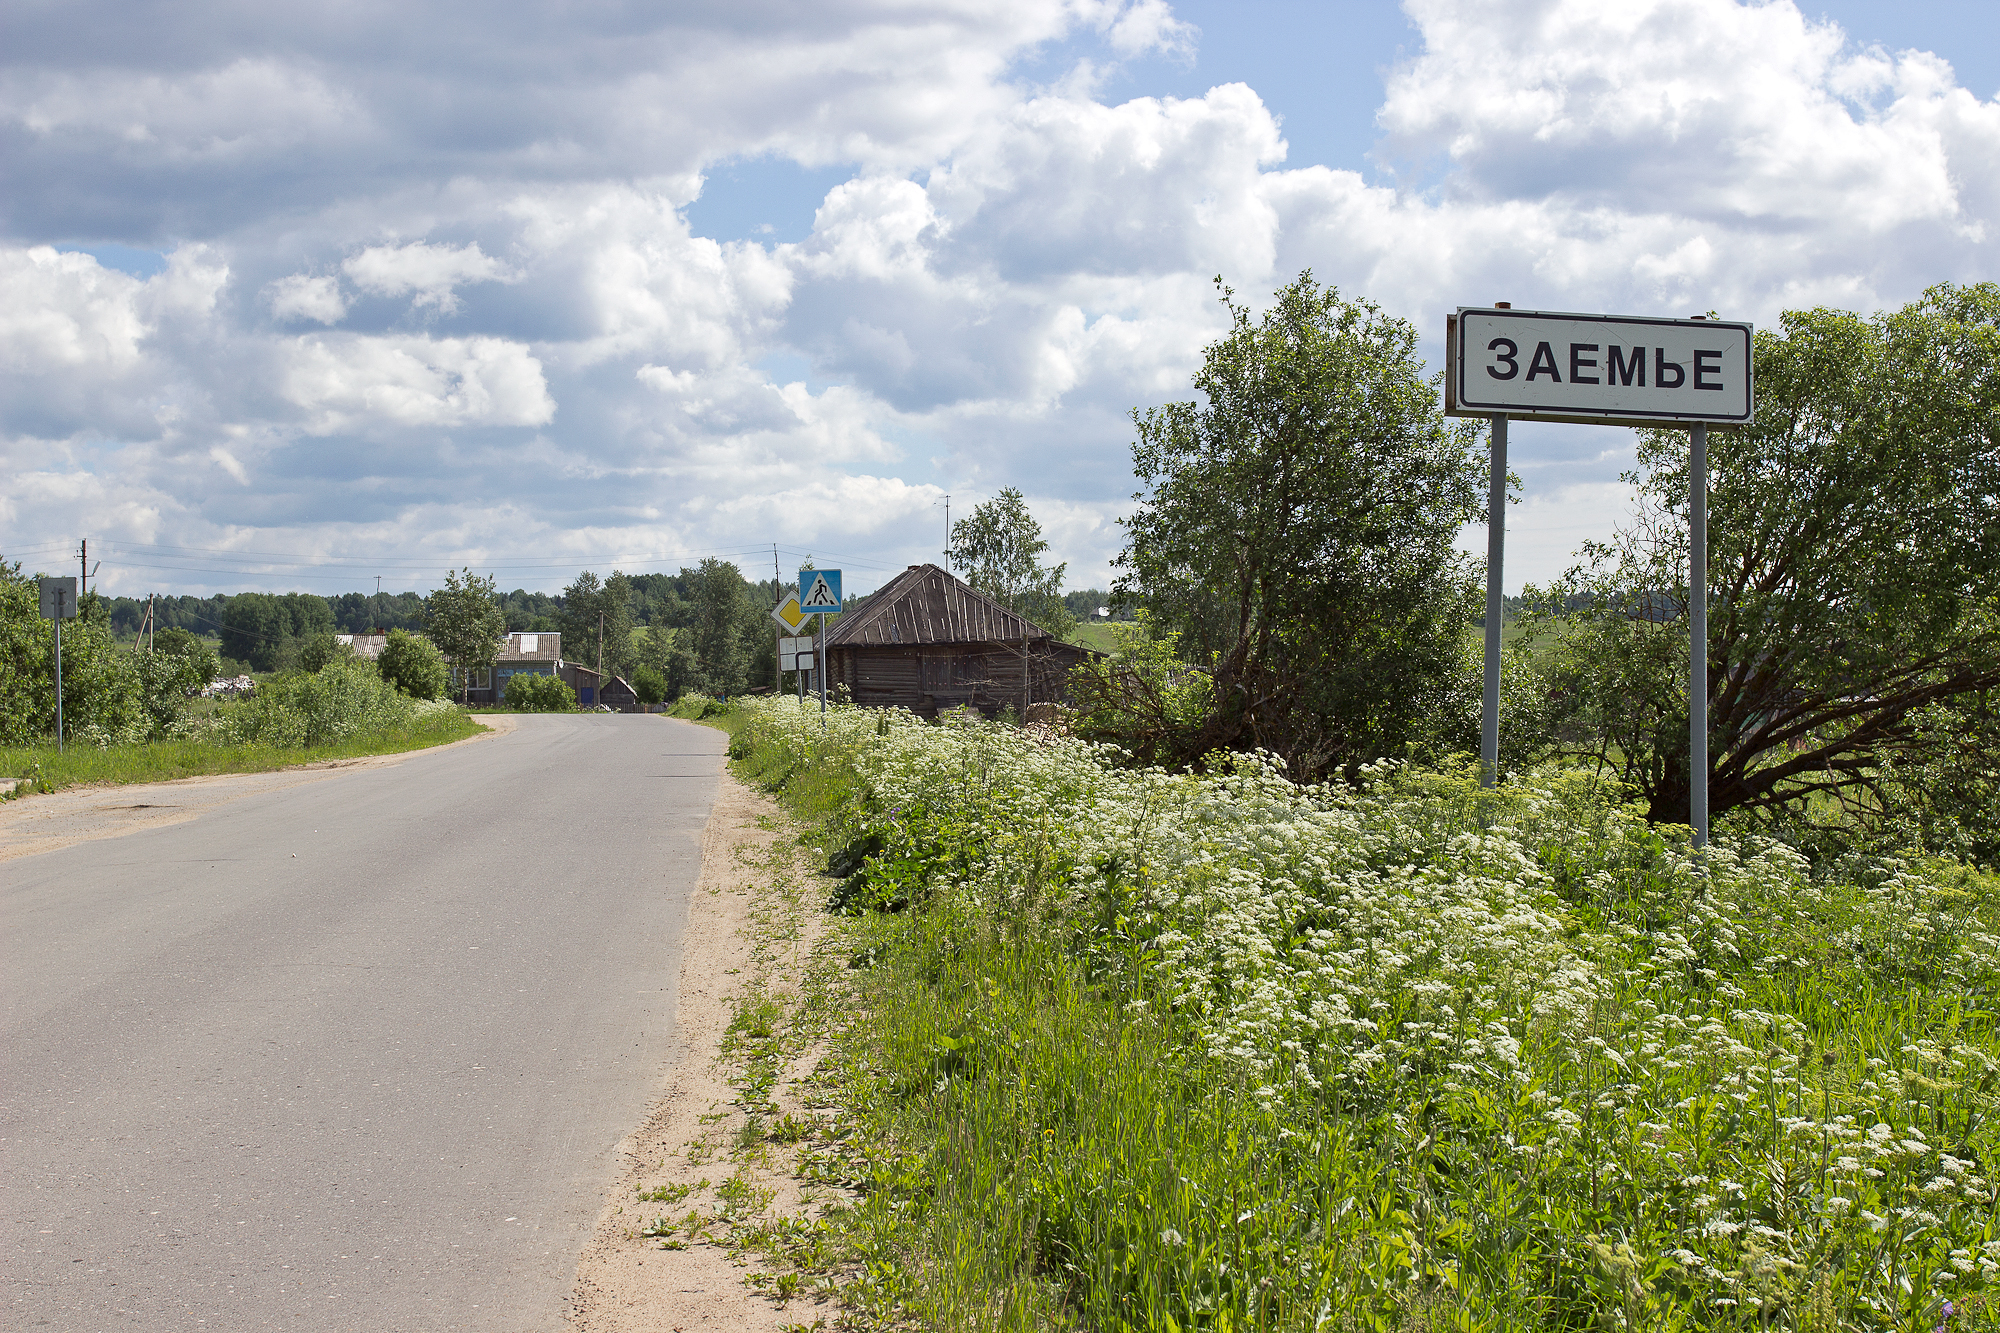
x: 924, y: 605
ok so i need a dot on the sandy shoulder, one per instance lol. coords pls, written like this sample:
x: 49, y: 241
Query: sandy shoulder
x: 31, y: 825
x: 750, y: 929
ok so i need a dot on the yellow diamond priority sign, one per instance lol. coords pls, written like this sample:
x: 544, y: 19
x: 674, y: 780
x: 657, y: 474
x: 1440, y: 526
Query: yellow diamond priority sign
x: 789, y: 614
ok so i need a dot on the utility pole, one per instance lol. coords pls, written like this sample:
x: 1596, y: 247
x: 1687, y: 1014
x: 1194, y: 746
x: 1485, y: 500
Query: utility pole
x: 378, y: 603
x: 600, y: 655
x: 947, y: 532
x: 777, y: 600
x: 83, y: 568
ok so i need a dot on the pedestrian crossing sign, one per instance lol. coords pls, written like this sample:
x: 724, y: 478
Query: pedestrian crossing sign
x: 819, y: 591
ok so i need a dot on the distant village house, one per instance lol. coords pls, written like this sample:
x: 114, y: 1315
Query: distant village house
x: 928, y: 642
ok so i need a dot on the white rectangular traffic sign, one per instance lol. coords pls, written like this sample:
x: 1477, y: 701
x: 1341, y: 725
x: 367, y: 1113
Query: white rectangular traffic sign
x: 795, y: 661
x: 59, y: 598
x: 819, y: 591
x: 1599, y: 369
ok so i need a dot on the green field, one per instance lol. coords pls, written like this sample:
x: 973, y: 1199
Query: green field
x: 1099, y: 635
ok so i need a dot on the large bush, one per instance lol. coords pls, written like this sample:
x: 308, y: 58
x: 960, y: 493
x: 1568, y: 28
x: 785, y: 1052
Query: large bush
x: 102, y: 699
x: 414, y: 665
x: 317, y: 650
x: 539, y: 694
x: 168, y: 680
x: 344, y: 698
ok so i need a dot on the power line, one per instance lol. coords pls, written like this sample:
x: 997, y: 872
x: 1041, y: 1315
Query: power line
x: 410, y: 563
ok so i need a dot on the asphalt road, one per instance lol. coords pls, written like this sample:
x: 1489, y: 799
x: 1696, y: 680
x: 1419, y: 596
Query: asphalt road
x: 353, y: 1055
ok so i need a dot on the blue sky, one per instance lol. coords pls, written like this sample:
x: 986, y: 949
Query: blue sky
x: 292, y: 302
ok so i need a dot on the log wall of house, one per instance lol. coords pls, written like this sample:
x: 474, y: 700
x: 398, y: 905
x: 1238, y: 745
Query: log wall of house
x: 935, y: 677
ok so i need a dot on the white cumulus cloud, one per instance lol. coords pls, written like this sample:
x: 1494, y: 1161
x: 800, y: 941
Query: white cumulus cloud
x: 1003, y: 258
x: 345, y: 383
x: 431, y: 271
x: 301, y: 296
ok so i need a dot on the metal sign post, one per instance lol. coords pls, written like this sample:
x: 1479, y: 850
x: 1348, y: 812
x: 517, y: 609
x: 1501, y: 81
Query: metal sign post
x: 1606, y: 370
x: 819, y: 595
x: 1698, y: 633
x: 59, y: 599
x: 1496, y: 605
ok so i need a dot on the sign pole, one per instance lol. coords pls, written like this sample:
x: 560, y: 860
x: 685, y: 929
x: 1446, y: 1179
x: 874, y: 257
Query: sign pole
x: 819, y: 663
x: 59, y: 726
x: 1698, y: 633
x: 1496, y: 545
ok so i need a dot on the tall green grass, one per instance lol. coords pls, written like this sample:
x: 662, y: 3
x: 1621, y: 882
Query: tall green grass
x: 1144, y: 1051
x: 160, y: 761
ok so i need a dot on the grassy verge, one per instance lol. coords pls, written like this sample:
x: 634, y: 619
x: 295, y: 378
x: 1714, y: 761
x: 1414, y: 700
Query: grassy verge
x: 160, y: 761
x: 1141, y: 1051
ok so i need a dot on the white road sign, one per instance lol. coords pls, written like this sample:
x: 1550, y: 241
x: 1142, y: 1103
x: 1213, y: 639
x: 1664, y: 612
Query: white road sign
x: 58, y: 598
x: 795, y: 654
x: 1598, y: 369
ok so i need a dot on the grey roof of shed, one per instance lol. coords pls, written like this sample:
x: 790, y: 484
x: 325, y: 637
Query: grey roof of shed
x: 925, y: 605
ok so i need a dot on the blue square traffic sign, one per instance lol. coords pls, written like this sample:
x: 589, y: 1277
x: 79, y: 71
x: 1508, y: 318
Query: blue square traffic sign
x: 819, y: 591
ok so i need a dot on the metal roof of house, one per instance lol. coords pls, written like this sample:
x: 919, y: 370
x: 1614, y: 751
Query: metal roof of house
x: 924, y: 605
x: 546, y: 648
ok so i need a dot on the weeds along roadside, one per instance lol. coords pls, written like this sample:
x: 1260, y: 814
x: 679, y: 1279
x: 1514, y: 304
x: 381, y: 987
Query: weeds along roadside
x: 1135, y: 1050
x: 165, y: 760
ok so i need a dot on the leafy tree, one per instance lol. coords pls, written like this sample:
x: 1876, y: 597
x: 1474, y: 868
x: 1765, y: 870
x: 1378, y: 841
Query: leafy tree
x: 414, y: 666
x: 653, y: 647
x: 316, y: 651
x: 715, y: 639
x: 1854, y: 558
x: 1298, y: 529
x: 180, y: 643
x: 582, y: 604
x: 532, y: 612
x: 680, y: 667
x: 167, y: 680
x: 266, y: 629
x: 649, y: 684
x: 464, y: 620
x: 1452, y: 725
x: 366, y: 612
x: 999, y: 547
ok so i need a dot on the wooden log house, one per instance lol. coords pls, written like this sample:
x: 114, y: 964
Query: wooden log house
x: 928, y: 642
